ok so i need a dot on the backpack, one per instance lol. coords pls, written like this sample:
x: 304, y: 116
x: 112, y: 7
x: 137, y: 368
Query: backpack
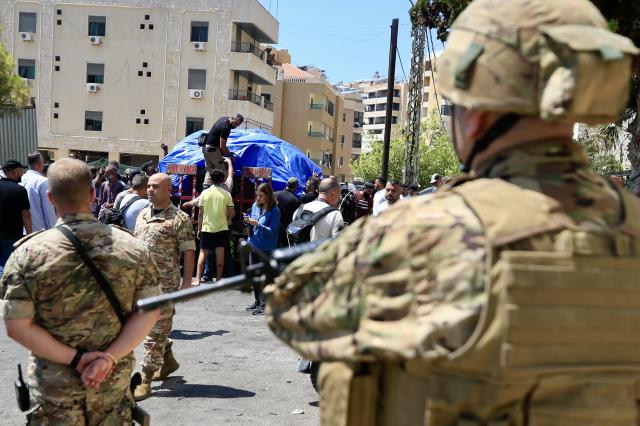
x: 115, y: 215
x: 348, y: 208
x: 299, y: 231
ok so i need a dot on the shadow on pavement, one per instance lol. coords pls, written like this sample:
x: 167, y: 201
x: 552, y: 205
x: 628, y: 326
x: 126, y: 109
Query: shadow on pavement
x: 195, y: 334
x: 178, y: 387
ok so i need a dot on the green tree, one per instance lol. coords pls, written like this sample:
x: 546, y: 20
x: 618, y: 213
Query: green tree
x: 600, y: 146
x: 14, y: 94
x: 436, y: 155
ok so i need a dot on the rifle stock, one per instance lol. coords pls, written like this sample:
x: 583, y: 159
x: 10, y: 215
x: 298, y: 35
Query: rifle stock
x: 272, y: 265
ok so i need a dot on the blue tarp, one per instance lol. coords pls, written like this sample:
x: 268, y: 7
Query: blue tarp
x: 253, y: 148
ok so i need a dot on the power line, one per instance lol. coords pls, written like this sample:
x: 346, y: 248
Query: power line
x: 401, y: 64
x: 433, y: 66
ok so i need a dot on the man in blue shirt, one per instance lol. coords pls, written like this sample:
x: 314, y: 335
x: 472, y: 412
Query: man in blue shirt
x: 43, y: 215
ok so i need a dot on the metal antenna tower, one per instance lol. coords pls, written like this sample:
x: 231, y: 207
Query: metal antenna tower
x: 414, y: 105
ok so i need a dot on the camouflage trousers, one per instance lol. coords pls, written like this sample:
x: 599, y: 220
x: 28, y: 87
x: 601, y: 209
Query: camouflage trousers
x: 157, y: 340
x: 61, y: 398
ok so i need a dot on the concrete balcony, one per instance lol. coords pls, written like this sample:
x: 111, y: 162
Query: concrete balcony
x: 249, y: 65
x: 254, y: 19
x: 251, y: 107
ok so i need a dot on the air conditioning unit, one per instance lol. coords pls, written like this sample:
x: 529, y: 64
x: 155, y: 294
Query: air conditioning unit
x: 93, y: 87
x: 200, y: 46
x: 26, y: 36
x: 95, y: 40
x: 196, y: 93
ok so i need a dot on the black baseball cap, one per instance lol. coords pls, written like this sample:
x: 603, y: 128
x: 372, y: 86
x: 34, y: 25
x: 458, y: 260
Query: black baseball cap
x: 13, y: 164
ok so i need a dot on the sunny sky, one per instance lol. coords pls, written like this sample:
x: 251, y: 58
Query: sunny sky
x: 349, y: 39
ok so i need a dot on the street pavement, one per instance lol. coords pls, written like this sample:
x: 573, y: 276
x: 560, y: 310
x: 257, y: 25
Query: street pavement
x: 233, y: 371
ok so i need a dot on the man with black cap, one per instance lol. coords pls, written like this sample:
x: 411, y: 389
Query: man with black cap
x: 214, y: 147
x: 14, y: 214
x: 288, y: 203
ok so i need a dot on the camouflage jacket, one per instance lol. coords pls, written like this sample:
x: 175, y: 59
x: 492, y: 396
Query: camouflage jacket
x: 395, y: 287
x: 166, y: 235
x: 46, y: 281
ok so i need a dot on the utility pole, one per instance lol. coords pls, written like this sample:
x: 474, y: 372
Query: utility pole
x: 414, y: 104
x: 391, y: 79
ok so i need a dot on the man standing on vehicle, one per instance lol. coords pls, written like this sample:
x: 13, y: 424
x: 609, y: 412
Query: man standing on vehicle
x: 215, y: 145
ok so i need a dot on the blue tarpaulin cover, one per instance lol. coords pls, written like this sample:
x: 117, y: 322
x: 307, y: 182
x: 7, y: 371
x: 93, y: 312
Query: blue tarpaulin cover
x: 253, y: 148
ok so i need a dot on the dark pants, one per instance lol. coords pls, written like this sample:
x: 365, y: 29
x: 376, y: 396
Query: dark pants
x: 6, y: 248
x: 257, y: 285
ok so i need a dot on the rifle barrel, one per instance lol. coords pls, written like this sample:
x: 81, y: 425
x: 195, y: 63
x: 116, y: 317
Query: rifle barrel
x: 151, y: 303
x: 278, y: 258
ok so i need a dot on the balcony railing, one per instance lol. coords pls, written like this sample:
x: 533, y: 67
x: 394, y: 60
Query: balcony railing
x: 356, y: 144
x: 244, y: 47
x: 243, y: 95
x: 316, y: 106
x: 316, y: 134
x: 268, y: 104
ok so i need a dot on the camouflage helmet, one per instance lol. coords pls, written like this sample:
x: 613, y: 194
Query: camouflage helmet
x: 553, y: 59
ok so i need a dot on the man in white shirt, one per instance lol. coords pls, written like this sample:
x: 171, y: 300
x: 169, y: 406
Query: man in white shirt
x: 331, y: 224
x: 393, y: 194
x: 43, y: 215
x: 378, y: 198
x: 138, y: 189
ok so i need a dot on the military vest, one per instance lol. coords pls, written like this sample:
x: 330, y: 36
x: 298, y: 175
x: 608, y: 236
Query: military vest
x: 556, y: 344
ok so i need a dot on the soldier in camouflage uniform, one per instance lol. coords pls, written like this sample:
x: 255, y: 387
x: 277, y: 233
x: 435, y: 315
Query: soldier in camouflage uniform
x: 167, y: 232
x: 510, y: 296
x: 54, y: 307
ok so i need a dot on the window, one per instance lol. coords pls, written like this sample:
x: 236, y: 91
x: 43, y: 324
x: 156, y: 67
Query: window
x: 93, y: 121
x: 344, y: 116
x: 97, y: 26
x: 330, y: 107
x: 27, y: 22
x: 341, y: 162
x: 147, y: 17
x: 343, y: 178
x: 143, y: 112
x: 95, y: 73
x: 193, y: 125
x: 342, y: 141
x: 396, y: 93
x: 395, y: 106
x: 197, y: 79
x: 27, y: 68
x: 199, y: 31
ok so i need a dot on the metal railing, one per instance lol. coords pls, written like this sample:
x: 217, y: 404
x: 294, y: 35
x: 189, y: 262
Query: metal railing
x: 316, y: 106
x: 244, y: 47
x: 243, y: 95
x: 316, y: 134
x: 268, y: 104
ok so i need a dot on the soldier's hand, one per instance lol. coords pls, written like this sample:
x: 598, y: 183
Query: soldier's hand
x: 86, y: 359
x: 97, y: 371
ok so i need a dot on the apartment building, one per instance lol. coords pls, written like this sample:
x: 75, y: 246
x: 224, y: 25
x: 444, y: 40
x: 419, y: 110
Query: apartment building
x: 118, y: 79
x: 311, y: 114
x: 374, y: 98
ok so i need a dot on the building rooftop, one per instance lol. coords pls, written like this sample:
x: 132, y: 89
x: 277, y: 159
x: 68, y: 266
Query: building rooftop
x: 291, y: 71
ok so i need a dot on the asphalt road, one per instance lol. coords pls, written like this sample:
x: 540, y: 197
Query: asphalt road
x: 233, y: 371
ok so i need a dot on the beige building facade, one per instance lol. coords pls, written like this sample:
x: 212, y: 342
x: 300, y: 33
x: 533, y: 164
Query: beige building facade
x: 312, y: 115
x: 118, y: 79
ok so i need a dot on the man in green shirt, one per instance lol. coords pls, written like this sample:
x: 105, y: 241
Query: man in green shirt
x: 216, y: 210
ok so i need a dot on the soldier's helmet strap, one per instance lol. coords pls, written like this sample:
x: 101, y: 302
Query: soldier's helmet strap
x: 499, y: 128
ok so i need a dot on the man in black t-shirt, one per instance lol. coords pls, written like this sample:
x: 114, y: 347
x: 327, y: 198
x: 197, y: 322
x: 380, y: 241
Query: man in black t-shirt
x: 14, y: 214
x: 215, y: 145
x: 311, y: 190
x: 288, y: 203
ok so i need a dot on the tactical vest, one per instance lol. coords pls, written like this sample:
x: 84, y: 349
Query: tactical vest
x: 556, y: 344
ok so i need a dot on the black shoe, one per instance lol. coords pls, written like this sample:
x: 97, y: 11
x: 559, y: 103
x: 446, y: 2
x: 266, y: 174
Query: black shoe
x: 253, y: 306
x: 259, y: 310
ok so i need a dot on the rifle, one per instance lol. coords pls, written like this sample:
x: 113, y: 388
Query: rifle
x: 264, y: 272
